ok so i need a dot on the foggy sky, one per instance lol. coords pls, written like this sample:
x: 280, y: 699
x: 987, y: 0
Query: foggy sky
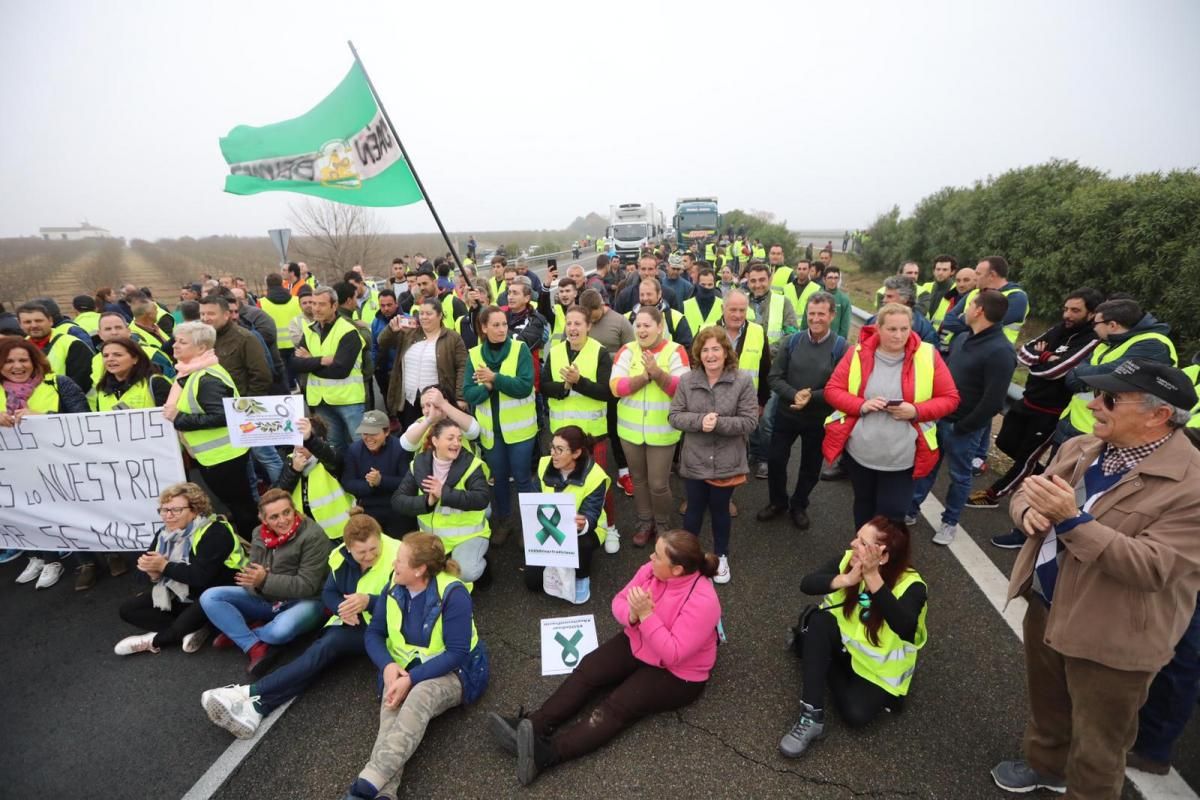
x: 524, y: 115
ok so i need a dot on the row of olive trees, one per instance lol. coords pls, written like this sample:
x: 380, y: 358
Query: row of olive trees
x: 1062, y: 226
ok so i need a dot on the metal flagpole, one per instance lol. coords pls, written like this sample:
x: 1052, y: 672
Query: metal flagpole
x: 411, y: 167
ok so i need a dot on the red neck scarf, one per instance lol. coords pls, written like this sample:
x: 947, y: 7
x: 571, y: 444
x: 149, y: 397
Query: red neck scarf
x: 273, y: 540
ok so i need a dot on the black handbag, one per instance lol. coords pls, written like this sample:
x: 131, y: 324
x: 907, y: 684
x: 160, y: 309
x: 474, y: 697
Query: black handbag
x: 795, y: 640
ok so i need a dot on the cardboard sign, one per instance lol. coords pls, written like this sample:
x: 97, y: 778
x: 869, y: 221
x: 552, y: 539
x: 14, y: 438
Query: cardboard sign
x: 565, y: 641
x: 548, y: 525
x: 264, y: 421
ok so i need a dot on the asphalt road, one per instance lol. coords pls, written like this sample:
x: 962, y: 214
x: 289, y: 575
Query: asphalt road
x: 80, y: 722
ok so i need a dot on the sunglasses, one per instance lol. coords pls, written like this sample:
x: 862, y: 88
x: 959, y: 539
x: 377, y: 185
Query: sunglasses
x: 1110, y: 400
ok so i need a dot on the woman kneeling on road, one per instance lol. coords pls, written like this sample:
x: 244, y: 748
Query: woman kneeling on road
x: 864, y: 637
x: 571, y: 468
x: 194, y: 551
x: 423, y: 639
x: 358, y: 571
x: 660, y: 662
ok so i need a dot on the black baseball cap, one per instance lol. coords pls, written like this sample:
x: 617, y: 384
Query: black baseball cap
x: 1163, y: 381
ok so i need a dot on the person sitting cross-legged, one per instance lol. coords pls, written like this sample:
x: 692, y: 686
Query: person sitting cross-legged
x: 358, y: 571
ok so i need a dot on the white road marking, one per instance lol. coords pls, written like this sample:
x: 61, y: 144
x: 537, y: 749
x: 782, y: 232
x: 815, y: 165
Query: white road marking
x: 994, y: 585
x: 235, y: 754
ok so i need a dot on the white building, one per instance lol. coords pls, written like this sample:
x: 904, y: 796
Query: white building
x: 85, y: 231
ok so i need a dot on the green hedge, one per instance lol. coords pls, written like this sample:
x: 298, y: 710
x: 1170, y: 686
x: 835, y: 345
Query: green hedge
x: 1062, y: 226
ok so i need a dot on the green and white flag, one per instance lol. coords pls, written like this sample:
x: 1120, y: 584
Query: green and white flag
x: 342, y: 150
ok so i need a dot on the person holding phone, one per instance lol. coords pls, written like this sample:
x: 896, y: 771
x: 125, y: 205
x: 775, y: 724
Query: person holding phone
x: 887, y: 394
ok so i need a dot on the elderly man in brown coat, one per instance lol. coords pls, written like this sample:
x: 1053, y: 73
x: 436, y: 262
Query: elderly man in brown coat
x: 1110, y: 571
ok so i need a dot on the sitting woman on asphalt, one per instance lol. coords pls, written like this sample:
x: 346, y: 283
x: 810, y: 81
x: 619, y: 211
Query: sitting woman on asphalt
x: 27, y: 387
x: 570, y: 468
x: 358, y: 571
x: 431, y: 659
x: 887, y: 394
x: 310, y: 475
x: 280, y: 587
x: 447, y: 492
x: 660, y: 662
x: 863, y: 639
x: 195, y: 551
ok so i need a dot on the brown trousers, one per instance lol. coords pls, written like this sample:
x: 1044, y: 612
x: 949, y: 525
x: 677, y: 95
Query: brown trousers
x: 1082, y: 715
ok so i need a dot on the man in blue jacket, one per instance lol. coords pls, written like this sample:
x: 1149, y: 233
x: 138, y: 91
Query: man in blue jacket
x: 373, y: 468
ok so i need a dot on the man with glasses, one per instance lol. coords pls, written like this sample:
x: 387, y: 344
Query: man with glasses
x: 1110, y: 572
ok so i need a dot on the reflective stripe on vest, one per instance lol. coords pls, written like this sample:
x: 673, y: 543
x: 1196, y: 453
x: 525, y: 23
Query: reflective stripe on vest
x: 518, y: 416
x: 642, y: 417
x: 890, y: 664
x: 43, y: 400
x: 57, y: 349
x: 697, y: 321
x: 455, y: 526
x: 782, y: 277
x: 753, y: 342
x: 1077, y: 412
x: 210, y: 446
x: 374, y: 579
x: 282, y: 315
x: 321, y: 497
x: 595, y: 477
x: 334, y: 391
x: 237, y: 556
x: 923, y: 370
x: 575, y: 409
x: 404, y: 653
x: 800, y: 302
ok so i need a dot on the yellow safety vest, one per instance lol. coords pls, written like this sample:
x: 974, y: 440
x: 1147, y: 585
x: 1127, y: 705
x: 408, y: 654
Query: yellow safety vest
x: 497, y: 287
x: 147, y: 335
x: 237, y: 555
x: 589, y: 414
x: 89, y: 321
x: 282, y: 315
x: 43, y: 400
x: 560, y: 322
x: 366, y: 311
x: 890, y: 664
x: 800, y: 301
x: 758, y: 253
x: 455, y: 526
x: 1193, y: 373
x: 98, y: 370
x: 139, y: 395
x: 57, y: 348
x: 404, y: 653
x: 642, y: 417
x: 710, y: 252
x: 774, y: 318
x: 782, y: 277
x: 1012, y: 329
x: 923, y: 370
x: 939, y: 313
x: 518, y: 415
x: 373, y: 580
x: 334, y: 391
x: 595, y: 478
x: 209, y: 446
x: 697, y: 321
x: 1077, y: 412
x: 320, y: 496
x: 448, y: 310
x: 753, y: 342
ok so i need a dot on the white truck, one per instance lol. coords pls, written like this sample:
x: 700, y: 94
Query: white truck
x: 631, y: 226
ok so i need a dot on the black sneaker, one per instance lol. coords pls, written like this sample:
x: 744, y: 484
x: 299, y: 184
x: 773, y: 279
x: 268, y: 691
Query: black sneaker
x: 534, y: 753
x: 504, y: 730
x: 1013, y: 540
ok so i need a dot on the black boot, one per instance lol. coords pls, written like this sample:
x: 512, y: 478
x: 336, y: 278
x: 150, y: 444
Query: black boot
x: 504, y: 729
x: 534, y: 753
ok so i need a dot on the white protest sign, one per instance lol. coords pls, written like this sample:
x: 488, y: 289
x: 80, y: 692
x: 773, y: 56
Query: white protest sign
x: 565, y: 641
x: 86, y: 481
x: 548, y: 525
x: 264, y: 421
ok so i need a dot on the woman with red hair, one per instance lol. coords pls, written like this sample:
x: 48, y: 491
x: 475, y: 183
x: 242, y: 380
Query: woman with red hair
x: 862, y: 640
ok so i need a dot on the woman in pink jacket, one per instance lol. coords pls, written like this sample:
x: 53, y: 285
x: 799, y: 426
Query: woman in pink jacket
x: 660, y: 662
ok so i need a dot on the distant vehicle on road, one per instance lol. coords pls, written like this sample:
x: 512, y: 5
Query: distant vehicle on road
x: 696, y: 221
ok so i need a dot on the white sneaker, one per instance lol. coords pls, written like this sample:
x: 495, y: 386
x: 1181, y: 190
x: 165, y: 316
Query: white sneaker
x: 910, y: 519
x: 32, y: 570
x: 945, y: 534
x: 232, y: 708
x: 143, y: 643
x: 50, y: 575
x: 196, y: 639
x: 612, y: 543
x: 722, y: 575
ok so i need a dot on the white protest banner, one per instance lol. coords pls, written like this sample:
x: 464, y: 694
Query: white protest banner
x: 548, y: 525
x: 86, y: 481
x: 565, y: 641
x: 264, y: 421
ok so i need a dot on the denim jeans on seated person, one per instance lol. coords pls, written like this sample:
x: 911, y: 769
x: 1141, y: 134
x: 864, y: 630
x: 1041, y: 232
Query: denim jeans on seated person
x: 958, y: 449
x: 232, y: 608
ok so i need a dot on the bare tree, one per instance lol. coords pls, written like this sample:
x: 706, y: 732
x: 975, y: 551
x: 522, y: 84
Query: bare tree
x: 333, y: 237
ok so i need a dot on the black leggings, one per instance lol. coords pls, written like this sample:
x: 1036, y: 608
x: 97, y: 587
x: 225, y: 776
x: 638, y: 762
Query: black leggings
x: 878, y: 492
x: 170, y: 626
x: 858, y: 700
x: 230, y: 483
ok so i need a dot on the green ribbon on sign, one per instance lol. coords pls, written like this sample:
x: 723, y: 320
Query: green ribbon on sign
x: 549, y: 525
x: 570, y: 653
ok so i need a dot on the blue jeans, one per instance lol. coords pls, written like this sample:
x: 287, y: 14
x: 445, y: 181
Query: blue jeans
x: 983, y: 443
x: 509, y: 460
x: 958, y: 449
x: 294, y: 677
x: 1172, y: 697
x: 342, y: 422
x: 230, y: 608
x: 760, y: 437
